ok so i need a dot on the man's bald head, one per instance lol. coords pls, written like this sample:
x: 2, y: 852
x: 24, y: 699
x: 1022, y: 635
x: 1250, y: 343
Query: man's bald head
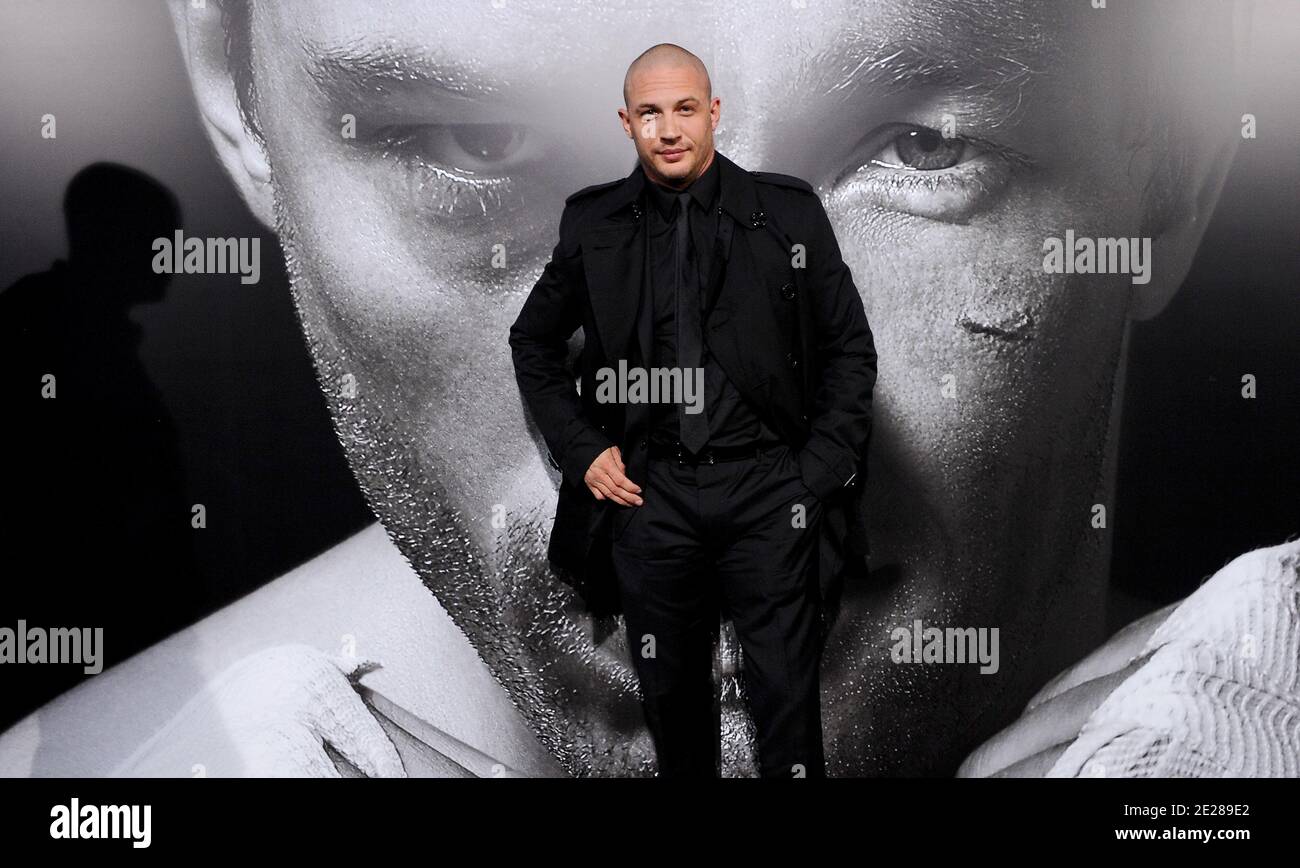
x: 665, y: 54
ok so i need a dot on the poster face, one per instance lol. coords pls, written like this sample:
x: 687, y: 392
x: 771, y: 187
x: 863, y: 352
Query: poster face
x: 321, y: 324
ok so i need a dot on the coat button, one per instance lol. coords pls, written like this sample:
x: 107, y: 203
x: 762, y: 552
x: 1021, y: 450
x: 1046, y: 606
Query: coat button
x: 787, y: 292
x: 757, y: 219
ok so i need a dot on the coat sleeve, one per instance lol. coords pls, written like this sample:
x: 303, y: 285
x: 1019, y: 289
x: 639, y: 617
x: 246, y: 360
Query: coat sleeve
x: 845, y: 349
x: 539, y: 339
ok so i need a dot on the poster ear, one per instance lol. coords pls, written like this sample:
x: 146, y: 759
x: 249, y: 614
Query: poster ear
x: 202, y: 42
x: 1177, y: 237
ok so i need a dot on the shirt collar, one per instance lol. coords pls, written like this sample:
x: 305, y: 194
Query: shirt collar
x: 703, y: 190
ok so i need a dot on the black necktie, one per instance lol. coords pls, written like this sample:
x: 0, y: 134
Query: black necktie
x: 693, y: 428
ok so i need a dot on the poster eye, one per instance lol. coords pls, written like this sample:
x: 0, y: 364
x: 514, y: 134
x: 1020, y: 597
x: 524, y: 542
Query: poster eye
x: 916, y: 170
x: 925, y: 149
x: 473, y: 147
x: 488, y: 143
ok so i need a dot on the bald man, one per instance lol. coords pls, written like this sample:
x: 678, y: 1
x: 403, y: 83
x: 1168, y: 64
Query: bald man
x: 725, y: 410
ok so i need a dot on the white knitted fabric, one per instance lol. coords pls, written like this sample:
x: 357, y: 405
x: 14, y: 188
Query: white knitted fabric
x: 269, y: 714
x: 1219, y: 695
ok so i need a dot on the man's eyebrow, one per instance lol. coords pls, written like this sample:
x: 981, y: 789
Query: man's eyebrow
x: 987, y: 64
x: 654, y: 106
x: 353, y: 70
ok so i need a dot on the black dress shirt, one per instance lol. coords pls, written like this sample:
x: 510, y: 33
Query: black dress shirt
x: 732, y: 422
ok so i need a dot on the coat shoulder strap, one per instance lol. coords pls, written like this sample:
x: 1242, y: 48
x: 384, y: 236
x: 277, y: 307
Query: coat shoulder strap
x: 594, y: 188
x: 783, y: 181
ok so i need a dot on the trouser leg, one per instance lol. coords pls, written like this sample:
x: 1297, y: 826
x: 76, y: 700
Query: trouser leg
x: 670, y: 606
x: 767, y: 570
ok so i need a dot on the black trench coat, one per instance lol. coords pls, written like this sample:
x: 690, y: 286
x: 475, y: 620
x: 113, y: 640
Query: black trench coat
x: 791, y: 334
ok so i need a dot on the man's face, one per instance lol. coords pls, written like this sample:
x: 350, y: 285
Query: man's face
x: 413, y: 245
x: 669, y: 117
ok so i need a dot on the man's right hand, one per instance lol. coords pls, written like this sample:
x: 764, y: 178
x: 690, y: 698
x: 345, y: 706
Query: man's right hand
x: 605, y: 477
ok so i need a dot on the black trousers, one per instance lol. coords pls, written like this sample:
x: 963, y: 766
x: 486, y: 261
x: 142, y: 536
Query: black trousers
x: 736, y: 538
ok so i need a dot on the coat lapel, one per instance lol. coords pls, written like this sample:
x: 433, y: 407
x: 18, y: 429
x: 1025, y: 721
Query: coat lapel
x: 739, y: 231
x: 739, y: 205
x: 613, y: 257
x: 616, y: 260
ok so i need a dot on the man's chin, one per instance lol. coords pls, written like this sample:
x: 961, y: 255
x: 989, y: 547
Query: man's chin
x: 567, y: 674
x: 674, y: 171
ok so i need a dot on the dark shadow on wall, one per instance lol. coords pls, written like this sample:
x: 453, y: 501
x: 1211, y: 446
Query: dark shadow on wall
x: 97, y: 514
x: 1207, y: 473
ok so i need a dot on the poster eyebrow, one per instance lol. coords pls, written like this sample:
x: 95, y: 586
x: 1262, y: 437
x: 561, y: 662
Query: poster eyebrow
x: 990, y: 75
x: 357, y: 69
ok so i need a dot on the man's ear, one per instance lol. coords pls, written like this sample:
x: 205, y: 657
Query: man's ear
x: 203, y: 48
x: 1178, y: 235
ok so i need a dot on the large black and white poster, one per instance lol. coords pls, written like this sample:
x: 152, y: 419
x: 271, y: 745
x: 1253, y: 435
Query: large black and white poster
x: 276, y: 504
